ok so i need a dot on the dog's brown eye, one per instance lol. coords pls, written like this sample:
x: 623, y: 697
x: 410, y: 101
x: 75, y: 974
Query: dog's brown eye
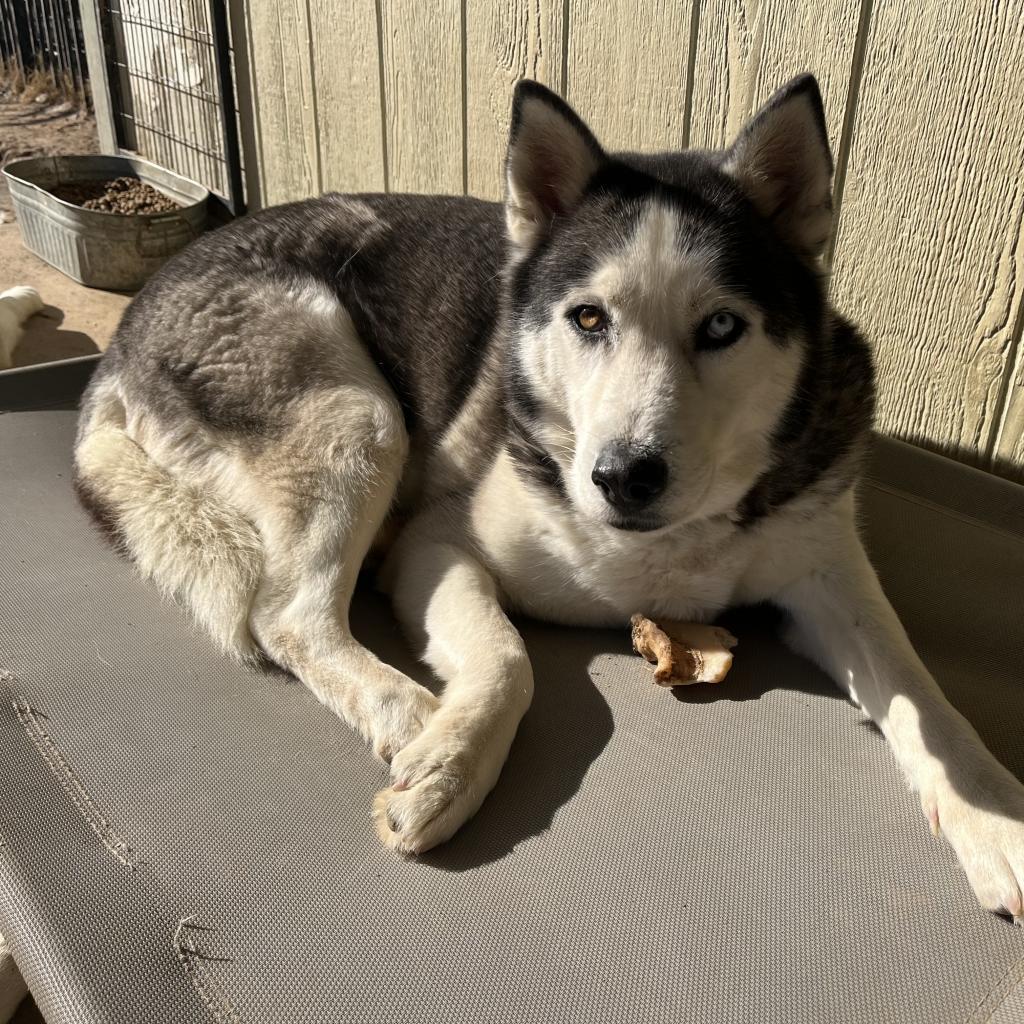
x: 590, y: 319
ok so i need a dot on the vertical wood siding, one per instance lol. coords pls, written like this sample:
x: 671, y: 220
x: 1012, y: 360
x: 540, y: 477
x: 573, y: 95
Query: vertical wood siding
x: 421, y: 55
x: 925, y: 120
x: 283, y: 98
x: 627, y: 70
x: 505, y: 42
x: 928, y: 249
x: 747, y: 48
x: 346, y: 78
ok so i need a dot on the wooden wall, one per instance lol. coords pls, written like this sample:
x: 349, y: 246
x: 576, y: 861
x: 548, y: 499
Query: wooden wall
x: 925, y: 117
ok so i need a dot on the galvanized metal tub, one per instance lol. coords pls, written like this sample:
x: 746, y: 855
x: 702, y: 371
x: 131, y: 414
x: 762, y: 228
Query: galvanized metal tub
x: 100, y: 249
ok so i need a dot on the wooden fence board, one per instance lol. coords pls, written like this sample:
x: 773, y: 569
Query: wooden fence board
x: 421, y: 44
x: 928, y: 252
x: 504, y: 42
x: 628, y: 69
x: 346, y: 71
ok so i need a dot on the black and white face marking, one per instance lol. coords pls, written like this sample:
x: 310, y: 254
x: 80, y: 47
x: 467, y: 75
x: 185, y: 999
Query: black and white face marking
x: 656, y: 384
x: 663, y: 304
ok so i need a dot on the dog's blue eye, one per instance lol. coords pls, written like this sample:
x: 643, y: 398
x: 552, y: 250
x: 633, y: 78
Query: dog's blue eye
x: 720, y: 330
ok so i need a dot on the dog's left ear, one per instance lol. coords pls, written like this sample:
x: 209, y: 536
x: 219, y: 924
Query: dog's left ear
x: 552, y: 155
x: 783, y: 162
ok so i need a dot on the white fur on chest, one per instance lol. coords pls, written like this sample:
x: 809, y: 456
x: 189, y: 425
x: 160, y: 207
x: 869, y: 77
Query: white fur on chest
x: 556, y: 565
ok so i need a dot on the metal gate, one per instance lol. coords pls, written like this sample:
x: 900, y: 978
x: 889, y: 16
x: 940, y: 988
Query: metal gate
x: 172, y: 97
x: 44, y: 36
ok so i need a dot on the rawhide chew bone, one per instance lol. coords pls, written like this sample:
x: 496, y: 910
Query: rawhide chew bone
x: 683, y: 652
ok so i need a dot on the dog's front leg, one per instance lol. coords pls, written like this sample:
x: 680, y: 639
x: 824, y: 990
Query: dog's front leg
x: 448, y: 602
x: 843, y: 621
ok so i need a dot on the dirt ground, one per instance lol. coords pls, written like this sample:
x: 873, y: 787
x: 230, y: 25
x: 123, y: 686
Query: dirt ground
x: 41, y: 129
x: 77, y: 320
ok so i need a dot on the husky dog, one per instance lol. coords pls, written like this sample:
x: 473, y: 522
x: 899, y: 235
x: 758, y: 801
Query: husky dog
x: 622, y: 390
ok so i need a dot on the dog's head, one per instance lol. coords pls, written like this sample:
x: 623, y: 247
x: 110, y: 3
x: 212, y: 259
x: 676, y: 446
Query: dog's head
x: 662, y: 306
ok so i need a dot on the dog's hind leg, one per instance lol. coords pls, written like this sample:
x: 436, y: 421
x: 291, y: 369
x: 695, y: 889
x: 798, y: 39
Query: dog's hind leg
x: 264, y: 538
x: 252, y: 487
x: 317, y: 496
x: 198, y: 548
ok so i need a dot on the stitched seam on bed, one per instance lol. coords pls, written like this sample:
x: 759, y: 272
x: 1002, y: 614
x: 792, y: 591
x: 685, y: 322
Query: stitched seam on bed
x: 71, y: 783
x: 932, y: 506
x: 216, y: 1002
x: 998, y: 994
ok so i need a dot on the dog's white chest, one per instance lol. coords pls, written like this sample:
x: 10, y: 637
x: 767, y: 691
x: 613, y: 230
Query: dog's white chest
x: 557, y: 567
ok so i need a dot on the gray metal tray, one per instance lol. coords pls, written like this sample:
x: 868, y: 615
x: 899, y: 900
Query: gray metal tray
x: 100, y: 249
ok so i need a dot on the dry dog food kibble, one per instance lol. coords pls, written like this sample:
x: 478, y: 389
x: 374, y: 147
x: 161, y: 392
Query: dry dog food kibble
x: 119, y: 195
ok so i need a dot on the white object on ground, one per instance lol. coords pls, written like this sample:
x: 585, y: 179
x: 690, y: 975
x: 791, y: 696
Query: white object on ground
x: 16, y: 306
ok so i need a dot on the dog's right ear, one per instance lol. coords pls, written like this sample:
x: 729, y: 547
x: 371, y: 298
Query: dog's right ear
x: 552, y: 155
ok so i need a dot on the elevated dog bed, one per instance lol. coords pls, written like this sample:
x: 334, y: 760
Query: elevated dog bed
x: 182, y: 839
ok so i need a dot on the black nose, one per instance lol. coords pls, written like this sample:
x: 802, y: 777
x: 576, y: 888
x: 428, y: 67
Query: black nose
x: 628, y: 479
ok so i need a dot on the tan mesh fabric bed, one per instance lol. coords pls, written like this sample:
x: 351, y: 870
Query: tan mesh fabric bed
x: 185, y: 840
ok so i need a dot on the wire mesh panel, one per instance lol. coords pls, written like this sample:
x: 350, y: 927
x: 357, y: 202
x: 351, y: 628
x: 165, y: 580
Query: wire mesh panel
x: 169, y: 65
x: 44, y: 36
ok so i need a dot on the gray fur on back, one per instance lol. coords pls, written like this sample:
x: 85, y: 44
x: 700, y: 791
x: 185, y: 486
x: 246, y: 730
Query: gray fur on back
x: 418, y: 275
x: 218, y: 334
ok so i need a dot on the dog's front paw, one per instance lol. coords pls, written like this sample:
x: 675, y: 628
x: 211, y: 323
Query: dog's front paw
x: 987, y: 834
x: 439, y: 781
x: 398, y: 720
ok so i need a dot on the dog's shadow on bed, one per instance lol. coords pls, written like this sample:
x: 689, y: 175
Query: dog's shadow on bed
x: 569, y: 723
